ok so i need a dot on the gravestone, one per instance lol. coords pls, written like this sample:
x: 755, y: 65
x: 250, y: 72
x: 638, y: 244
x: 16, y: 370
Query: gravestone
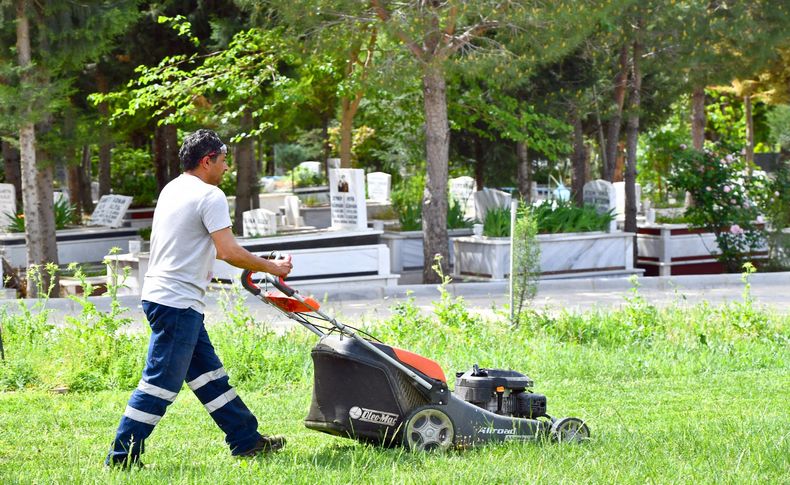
x: 312, y: 166
x: 333, y: 163
x: 60, y: 196
x: 379, y: 184
x: 347, y: 199
x: 619, y: 188
x: 461, y: 189
x: 490, y: 198
x: 95, y: 191
x: 7, y: 204
x: 601, y: 194
x: 292, y: 215
x: 110, y: 210
x: 259, y: 222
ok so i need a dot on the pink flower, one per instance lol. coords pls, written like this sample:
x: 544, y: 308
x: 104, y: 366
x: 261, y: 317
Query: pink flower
x: 729, y: 158
x: 727, y: 189
x: 776, y: 194
x: 708, y: 188
x: 736, y: 229
x: 733, y: 201
x: 760, y: 219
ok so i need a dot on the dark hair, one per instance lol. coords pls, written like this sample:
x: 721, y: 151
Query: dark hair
x: 197, y: 145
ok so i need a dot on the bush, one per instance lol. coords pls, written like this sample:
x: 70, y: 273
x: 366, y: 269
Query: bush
x: 497, y: 222
x: 563, y: 216
x: 456, y: 219
x: 407, y: 202
x: 304, y: 177
x: 725, y: 201
x: 64, y: 216
x: 132, y: 173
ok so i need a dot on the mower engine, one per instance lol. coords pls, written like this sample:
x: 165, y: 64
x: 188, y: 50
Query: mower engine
x: 503, y: 392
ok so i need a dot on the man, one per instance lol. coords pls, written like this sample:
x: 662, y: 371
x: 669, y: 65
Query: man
x: 191, y: 228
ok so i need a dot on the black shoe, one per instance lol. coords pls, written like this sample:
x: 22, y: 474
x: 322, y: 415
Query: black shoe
x: 265, y: 444
x: 125, y: 463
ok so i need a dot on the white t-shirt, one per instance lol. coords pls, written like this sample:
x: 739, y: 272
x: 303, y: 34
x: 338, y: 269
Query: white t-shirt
x: 182, y: 251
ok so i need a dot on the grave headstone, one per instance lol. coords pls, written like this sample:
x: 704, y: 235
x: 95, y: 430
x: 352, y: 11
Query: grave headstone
x: 60, y: 196
x: 110, y: 210
x: 489, y: 198
x: 95, y: 191
x: 7, y: 204
x: 292, y: 216
x: 333, y: 163
x: 461, y: 189
x: 259, y: 222
x: 619, y: 188
x: 379, y: 185
x: 312, y: 166
x: 601, y: 194
x: 347, y: 198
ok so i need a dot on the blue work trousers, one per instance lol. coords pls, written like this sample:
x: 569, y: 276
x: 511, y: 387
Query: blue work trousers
x: 180, y: 350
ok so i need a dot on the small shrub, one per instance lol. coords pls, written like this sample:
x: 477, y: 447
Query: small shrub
x: 132, y: 173
x: 17, y: 375
x: 456, y: 219
x: 724, y: 192
x: 304, y: 177
x: 497, y: 222
x: 64, y: 215
x: 563, y: 216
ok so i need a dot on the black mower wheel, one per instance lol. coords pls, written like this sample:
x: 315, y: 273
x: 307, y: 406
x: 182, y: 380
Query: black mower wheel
x: 570, y: 430
x: 428, y: 428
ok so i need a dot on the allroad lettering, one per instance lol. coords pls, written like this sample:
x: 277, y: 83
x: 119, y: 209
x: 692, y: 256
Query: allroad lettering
x: 373, y: 416
x: 491, y: 430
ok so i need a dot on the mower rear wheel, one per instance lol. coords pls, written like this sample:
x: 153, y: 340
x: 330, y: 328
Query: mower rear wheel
x: 429, y: 428
x: 570, y: 430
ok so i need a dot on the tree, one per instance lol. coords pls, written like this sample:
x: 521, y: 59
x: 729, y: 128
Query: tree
x: 52, y: 41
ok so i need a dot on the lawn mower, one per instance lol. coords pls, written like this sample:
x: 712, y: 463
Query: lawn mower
x: 373, y: 392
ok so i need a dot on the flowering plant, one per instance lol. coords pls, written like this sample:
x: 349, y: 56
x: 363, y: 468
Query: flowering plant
x: 725, y: 197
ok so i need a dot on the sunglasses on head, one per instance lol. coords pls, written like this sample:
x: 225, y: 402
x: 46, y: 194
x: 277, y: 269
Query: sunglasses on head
x: 223, y: 150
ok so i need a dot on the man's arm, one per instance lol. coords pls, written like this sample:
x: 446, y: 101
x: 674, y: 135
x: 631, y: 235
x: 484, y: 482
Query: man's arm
x: 229, y: 250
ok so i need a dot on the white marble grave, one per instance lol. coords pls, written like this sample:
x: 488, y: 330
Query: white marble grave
x: 110, y: 210
x: 379, y: 186
x: 462, y: 189
x: 259, y: 222
x: 7, y: 204
x: 489, y: 198
x: 312, y: 166
x: 601, y: 195
x: 292, y: 216
x: 619, y: 188
x: 347, y: 199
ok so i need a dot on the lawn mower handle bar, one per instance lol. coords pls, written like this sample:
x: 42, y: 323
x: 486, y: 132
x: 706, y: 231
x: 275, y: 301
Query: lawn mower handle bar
x: 246, y: 281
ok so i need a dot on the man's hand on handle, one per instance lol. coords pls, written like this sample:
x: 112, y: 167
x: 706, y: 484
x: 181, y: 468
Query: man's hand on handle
x: 280, y: 267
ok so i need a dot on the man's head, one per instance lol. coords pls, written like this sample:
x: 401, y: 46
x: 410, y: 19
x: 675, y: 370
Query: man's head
x: 200, y: 144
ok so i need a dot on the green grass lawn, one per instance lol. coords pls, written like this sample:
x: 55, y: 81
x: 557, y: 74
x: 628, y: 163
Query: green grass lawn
x: 695, y: 394
x: 717, y: 427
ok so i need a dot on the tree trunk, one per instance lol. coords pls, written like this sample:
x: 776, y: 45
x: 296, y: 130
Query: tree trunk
x: 632, y: 137
x: 615, y: 122
x: 579, y: 158
x: 12, y: 171
x: 105, y: 145
x: 437, y: 146
x: 171, y: 152
x: 346, y: 125
x: 747, y: 108
x: 698, y: 117
x: 86, y: 193
x: 480, y: 163
x: 524, y: 173
x: 245, y: 173
x: 36, y: 183
x: 161, y: 167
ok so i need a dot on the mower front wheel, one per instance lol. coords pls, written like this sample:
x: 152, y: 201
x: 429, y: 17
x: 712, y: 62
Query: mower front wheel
x: 570, y: 430
x: 428, y: 428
